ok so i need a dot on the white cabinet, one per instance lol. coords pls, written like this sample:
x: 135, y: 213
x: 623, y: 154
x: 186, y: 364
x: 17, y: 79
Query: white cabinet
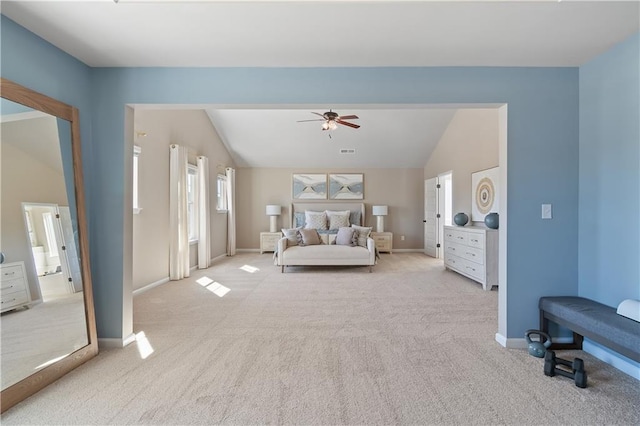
x: 13, y: 286
x: 473, y: 252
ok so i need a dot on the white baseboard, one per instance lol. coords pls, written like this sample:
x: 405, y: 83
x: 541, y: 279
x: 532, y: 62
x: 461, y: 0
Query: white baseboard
x: 166, y: 279
x: 249, y: 250
x: 521, y: 343
x: 114, y: 343
x: 618, y: 362
x: 150, y: 286
x: 408, y: 250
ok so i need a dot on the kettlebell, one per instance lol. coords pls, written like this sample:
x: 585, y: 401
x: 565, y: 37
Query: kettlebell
x: 537, y: 348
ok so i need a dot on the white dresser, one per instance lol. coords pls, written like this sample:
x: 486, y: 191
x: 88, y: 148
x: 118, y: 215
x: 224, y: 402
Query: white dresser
x: 13, y: 286
x: 473, y: 252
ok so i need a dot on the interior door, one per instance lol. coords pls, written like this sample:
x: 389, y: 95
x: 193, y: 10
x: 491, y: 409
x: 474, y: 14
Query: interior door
x: 430, y: 217
x: 73, y: 259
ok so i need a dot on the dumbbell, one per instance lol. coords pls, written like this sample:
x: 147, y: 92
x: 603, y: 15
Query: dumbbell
x: 577, y: 374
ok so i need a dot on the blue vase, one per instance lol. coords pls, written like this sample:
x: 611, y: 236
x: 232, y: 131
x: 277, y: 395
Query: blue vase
x: 492, y: 220
x: 461, y: 219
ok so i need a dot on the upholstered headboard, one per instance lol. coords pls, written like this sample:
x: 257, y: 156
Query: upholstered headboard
x: 318, y: 207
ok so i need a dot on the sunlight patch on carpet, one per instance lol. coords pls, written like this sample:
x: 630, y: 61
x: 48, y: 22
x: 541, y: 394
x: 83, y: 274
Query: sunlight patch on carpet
x: 250, y: 269
x: 218, y: 289
x: 204, y: 281
x: 144, y: 347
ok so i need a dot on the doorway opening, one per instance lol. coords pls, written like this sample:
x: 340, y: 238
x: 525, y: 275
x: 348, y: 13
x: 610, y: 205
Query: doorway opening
x: 48, y: 227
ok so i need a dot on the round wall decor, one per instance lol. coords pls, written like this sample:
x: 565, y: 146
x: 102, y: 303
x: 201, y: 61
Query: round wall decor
x: 485, y: 195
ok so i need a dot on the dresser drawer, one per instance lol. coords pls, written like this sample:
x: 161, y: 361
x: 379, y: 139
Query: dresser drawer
x: 11, y: 272
x: 13, y: 299
x: 382, y: 243
x: 473, y: 270
x: 12, y: 286
x: 473, y: 254
x: 455, y: 236
x: 476, y: 240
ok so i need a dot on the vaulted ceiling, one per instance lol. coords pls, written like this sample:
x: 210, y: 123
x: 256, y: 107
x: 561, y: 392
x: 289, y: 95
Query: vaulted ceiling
x: 330, y: 33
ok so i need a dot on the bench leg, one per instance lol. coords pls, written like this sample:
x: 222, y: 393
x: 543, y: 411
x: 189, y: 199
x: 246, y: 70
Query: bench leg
x: 577, y: 338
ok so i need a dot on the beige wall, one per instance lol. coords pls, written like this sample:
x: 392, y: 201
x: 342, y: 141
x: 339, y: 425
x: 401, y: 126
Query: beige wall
x: 400, y: 189
x: 469, y: 144
x: 24, y: 179
x: 191, y: 128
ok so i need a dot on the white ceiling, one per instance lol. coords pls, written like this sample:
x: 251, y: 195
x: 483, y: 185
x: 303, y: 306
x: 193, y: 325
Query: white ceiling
x: 329, y: 33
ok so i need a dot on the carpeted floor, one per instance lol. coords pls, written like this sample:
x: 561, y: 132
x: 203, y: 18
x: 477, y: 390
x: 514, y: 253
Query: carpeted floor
x: 409, y: 343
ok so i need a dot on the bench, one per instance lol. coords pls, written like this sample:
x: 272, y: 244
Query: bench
x: 587, y: 318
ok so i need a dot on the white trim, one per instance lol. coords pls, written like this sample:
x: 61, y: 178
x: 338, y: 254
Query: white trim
x: 614, y: 360
x: 250, y: 250
x: 150, y: 286
x: 115, y: 343
x: 420, y: 250
x: 166, y: 279
x: 521, y: 343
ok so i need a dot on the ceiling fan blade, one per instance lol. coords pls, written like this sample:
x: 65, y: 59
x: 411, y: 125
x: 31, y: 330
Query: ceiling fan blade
x: 321, y: 115
x: 348, y: 117
x: 346, y: 123
x: 315, y: 119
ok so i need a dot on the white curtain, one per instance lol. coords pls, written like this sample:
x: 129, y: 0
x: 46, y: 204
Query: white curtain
x: 204, y: 220
x: 179, y: 231
x: 231, y: 209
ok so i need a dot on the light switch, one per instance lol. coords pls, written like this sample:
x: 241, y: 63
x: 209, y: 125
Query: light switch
x: 546, y: 211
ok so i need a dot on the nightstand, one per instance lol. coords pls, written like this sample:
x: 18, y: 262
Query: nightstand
x: 269, y: 241
x: 383, y: 240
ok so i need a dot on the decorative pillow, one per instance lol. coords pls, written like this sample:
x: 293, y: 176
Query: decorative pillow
x: 308, y: 237
x: 346, y: 237
x: 354, y: 217
x: 315, y: 220
x: 338, y: 220
x: 362, y: 233
x: 291, y: 235
x: 299, y: 218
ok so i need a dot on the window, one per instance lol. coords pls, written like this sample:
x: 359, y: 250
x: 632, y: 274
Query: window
x: 192, y: 214
x: 222, y: 194
x: 136, y: 201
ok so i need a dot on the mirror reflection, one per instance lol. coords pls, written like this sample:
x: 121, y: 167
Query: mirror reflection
x: 43, y: 314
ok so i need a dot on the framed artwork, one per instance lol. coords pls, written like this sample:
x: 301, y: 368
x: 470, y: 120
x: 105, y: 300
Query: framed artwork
x: 310, y: 186
x: 346, y: 186
x: 484, y: 195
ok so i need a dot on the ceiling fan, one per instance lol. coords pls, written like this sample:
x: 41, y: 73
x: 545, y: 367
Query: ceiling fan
x: 332, y: 119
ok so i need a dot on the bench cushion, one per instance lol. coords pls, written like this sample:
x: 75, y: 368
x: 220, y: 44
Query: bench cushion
x: 326, y: 255
x: 596, y: 321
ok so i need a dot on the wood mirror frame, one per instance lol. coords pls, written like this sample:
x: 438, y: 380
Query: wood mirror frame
x: 47, y: 375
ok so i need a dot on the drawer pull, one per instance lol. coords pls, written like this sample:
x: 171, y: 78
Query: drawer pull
x: 7, y: 288
x: 473, y: 269
x: 8, y: 301
x: 471, y: 254
x: 475, y: 241
x: 6, y: 274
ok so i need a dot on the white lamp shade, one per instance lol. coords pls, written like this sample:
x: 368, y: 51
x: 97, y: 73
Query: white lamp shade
x: 380, y: 210
x: 273, y: 210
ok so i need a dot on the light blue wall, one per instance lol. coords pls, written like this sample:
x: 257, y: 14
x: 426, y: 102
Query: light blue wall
x: 542, y: 150
x: 542, y: 147
x: 609, y: 226
x: 609, y: 195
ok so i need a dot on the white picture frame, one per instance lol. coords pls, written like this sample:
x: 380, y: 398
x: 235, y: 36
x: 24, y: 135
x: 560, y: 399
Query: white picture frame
x: 346, y: 186
x: 309, y: 186
x: 484, y: 193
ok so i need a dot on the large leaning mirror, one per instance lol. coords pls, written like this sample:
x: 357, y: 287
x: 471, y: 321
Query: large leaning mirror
x: 47, y: 320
